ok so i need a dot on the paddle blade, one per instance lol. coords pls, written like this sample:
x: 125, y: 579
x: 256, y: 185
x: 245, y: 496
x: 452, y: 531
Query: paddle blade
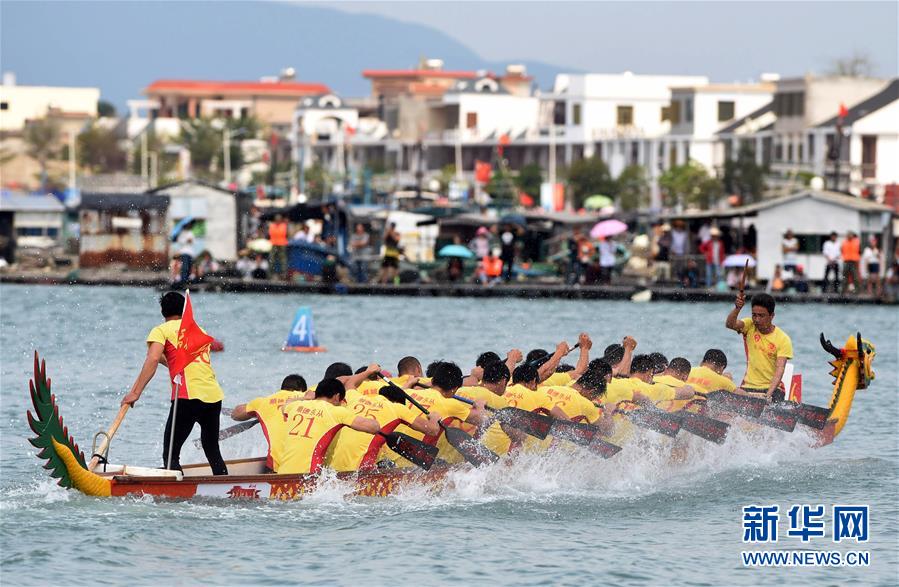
x: 704, y: 427
x: 603, y: 448
x: 233, y: 430
x: 738, y: 404
x: 575, y: 432
x: 655, y: 420
x: 471, y: 450
x: 807, y: 414
x: 412, y: 449
x: 776, y: 418
x: 536, y: 425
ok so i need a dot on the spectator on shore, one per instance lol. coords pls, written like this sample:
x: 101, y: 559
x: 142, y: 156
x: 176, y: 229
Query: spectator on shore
x: 892, y: 276
x: 303, y: 233
x: 455, y: 269
x: 800, y: 283
x: 713, y: 249
x: 680, y: 244
x: 662, y: 258
x: 260, y: 268
x: 493, y: 267
x: 776, y: 283
x: 390, y: 263
x: 175, y: 268
x: 480, y: 244
x: 360, y: 247
x: 705, y: 233
x: 851, y: 255
x: 186, y: 251
x: 507, y: 252
x: 750, y: 239
x: 244, y: 264
x: 204, y: 265
x: 574, y: 275
x: 606, y: 259
x: 789, y: 246
x: 255, y: 223
x: 831, y: 251
x: 585, y: 252
x: 871, y: 263
x: 277, y: 235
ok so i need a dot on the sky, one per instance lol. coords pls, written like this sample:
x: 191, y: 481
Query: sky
x: 728, y: 41
x: 121, y: 47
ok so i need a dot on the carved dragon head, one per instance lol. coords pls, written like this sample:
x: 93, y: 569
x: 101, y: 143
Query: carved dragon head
x: 857, y: 348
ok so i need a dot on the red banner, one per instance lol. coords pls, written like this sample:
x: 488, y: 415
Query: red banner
x: 192, y: 341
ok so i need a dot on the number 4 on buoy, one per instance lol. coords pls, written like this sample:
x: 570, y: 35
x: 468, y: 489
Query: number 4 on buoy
x: 302, y: 334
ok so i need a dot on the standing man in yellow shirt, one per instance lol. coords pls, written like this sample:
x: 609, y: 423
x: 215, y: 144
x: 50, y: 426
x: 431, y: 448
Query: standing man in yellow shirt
x: 709, y: 376
x: 199, y: 395
x: 768, y: 348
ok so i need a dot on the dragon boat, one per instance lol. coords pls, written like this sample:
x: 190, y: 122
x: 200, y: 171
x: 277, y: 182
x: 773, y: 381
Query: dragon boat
x: 852, y: 370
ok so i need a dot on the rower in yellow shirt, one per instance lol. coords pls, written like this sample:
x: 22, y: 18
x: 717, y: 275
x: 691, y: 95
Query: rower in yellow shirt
x: 521, y: 394
x: 675, y: 376
x: 353, y: 450
x: 639, y: 387
x: 446, y: 379
x: 271, y: 412
x: 407, y: 369
x: 312, y: 425
x: 490, y: 391
x: 709, y: 375
x: 768, y: 348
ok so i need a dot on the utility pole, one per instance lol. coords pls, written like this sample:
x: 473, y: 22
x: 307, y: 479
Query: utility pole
x: 154, y: 169
x: 552, y: 155
x: 226, y: 147
x: 144, y: 171
x: 72, y: 169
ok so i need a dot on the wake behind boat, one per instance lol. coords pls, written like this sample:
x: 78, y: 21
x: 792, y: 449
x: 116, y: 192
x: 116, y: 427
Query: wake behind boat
x: 852, y: 370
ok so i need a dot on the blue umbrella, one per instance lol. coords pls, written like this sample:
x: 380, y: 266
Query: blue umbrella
x: 180, y: 226
x: 455, y: 251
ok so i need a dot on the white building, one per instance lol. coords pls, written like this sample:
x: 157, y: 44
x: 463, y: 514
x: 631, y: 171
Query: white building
x: 217, y: 214
x: 21, y: 103
x: 29, y: 221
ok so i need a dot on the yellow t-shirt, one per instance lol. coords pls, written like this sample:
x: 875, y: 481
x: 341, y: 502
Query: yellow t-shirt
x: 198, y: 380
x: 570, y: 401
x: 557, y: 379
x: 372, y: 387
x: 621, y: 389
x: 705, y: 380
x: 311, y: 426
x: 762, y: 352
x: 272, y: 413
x: 476, y: 392
x: 517, y: 396
x: 669, y: 380
x: 353, y: 450
x: 451, y: 411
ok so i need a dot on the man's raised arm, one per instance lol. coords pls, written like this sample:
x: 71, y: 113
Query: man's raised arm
x: 733, y: 322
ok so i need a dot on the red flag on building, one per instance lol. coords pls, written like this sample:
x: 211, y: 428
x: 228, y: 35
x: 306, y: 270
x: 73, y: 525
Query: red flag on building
x: 482, y: 171
x: 504, y: 140
x: 192, y: 341
x: 844, y: 112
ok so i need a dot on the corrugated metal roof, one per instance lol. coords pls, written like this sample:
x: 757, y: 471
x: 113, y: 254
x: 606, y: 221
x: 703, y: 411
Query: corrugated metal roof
x: 21, y: 202
x: 124, y: 202
x: 836, y: 198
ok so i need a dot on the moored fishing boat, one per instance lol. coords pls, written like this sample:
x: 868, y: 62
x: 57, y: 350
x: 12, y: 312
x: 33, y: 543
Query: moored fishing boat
x: 852, y: 370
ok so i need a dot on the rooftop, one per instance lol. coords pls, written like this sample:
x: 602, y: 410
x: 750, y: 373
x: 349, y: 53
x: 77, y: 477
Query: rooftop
x: 197, y: 87
x: 837, y: 198
x: 418, y: 73
x: 865, y: 107
x: 22, y: 202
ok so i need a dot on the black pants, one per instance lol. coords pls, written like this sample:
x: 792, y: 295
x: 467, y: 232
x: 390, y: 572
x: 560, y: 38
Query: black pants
x: 835, y: 269
x: 190, y: 412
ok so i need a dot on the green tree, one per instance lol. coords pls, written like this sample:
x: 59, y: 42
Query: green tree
x: 98, y: 149
x: 529, y: 179
x: 744, y: 176
x: 587, y: 177
x: 690, y: 185
x: 105, y: 109
x: 501, y: 188
x: 42, y: 139
x: 632, y: 188
x: 204, y: 138
x: 447, y: 174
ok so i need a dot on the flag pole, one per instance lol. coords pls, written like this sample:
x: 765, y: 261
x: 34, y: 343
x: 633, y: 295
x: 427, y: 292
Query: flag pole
x: 177, y: 381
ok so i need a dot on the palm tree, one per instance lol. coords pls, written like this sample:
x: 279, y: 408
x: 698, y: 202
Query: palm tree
x: 42, y: 138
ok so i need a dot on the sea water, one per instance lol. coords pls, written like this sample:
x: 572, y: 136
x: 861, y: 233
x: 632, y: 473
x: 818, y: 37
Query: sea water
x: 560, y: 519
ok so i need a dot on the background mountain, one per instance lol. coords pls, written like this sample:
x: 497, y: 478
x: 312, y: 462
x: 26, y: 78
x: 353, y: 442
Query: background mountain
x: 121, y: 47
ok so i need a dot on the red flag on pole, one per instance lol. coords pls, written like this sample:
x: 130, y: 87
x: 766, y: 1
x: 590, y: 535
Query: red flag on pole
x: 192, y: 341
x: 844, y: 112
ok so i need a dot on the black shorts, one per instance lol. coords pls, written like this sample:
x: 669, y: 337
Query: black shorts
x: 873, y: 269
x: 778, y: 396
x: 390, y: 262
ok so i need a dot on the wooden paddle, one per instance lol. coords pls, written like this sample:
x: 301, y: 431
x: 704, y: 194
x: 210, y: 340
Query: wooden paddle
x: 470, y: 449
x: 651, y: 418
x: 101, y: 450
x: 743, y: 277
x: 585, y: 435
x: 536, y: 425
x: 231, y: 431
x: 702, y: 426
x: 417, y: 452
